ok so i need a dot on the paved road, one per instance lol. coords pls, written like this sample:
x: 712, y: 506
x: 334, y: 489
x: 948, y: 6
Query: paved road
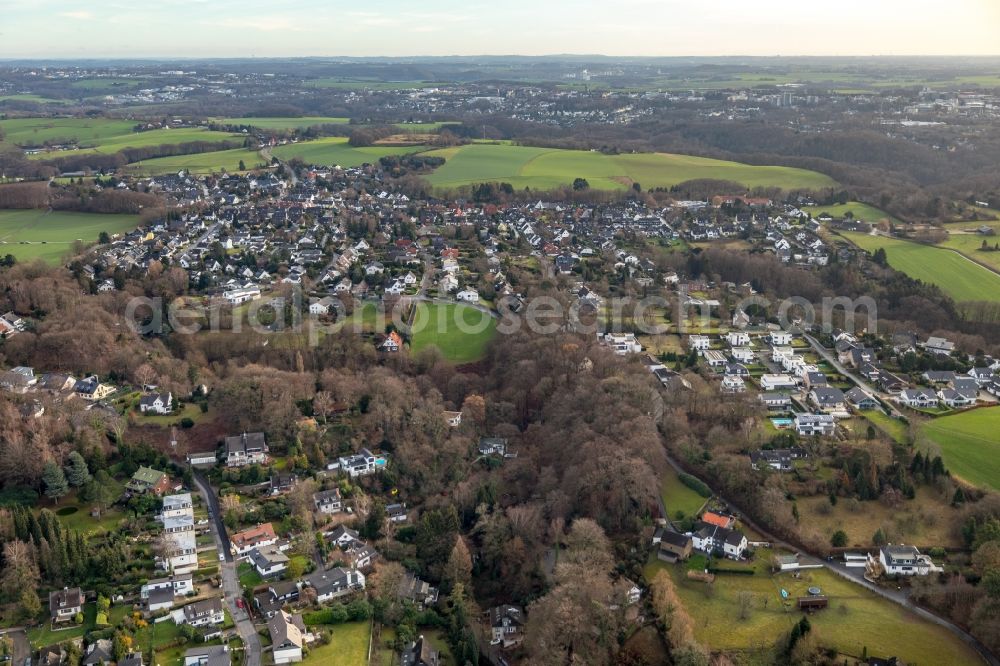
x: 857, y: 379
x: 855, y: 576
x: 230, y: 581
x: 22, y: 648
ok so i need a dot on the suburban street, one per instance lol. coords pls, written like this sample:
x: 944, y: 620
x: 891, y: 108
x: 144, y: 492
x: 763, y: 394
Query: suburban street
x: 227, y: 568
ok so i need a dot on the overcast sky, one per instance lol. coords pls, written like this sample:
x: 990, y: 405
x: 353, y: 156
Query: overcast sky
x: 240, y: 28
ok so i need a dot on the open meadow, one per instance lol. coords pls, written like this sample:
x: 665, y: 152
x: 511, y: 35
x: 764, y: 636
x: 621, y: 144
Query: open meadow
x: 40, y: 234
x: 857, y: 620
x: 547, y: 168
x: 958, y: 276
x: 335, y: 151
x: 85, y: 131
x: 969, y: 445
x: 157, y: 137
x: 437, y: 324
x: 284, y: 123
x: 198, y: 163
x: 860, y: 211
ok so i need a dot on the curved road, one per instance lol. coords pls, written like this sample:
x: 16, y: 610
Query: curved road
x: 230, y: 581
x: 896, y: 596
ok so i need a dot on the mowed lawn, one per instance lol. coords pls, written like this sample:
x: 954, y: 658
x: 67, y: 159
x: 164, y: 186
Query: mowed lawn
x: 546, y: 168
x: 970, y: 445
x: 335, y: 151
x: 957, y: 276
x: 49, y: 235
x: 285, y: 123
x: 199, y: 163
x: 347, y: 647
x: 856, y: 619
x: 461, y: 332
x: 678, y: 497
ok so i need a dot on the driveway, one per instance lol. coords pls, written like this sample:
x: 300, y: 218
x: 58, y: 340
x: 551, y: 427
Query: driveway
x: 22, y: 648
x: 231, y: 589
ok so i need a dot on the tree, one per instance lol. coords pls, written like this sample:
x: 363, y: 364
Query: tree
x: 243, y: 166
x: 77, y: 473
x: 879, y: 538
x: 54, y: 480
x: 580, y: 184
x: 839, y: 539
x: 458, y: 571
x: 103, y: 238
x: 31, y: 606
x: 375, y: 522
x: 744, y: 601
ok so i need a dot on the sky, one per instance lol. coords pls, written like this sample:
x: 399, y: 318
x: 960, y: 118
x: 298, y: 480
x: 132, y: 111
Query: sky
x: 276, y: 28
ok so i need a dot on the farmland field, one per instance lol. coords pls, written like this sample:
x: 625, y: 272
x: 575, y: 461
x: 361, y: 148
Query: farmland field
x: 335, y: 151
x: 546, y: 168
x: 57, y: 230
x: 857, y: 619
x: 86, y: 131
x: 860, y: 211
x: 437, y: 324
x: 959, y: 277
x: 198, y: 163
x: 285, y: 123
x: 113, y: 144
x: 970, y: 244
x: 969, y: 445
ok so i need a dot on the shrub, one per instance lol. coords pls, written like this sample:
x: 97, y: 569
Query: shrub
x: 695, y: 484
x: 187, y: 422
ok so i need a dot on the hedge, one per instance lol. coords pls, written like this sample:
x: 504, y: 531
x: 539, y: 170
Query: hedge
x: 738, y: 572
x: 695, y: 484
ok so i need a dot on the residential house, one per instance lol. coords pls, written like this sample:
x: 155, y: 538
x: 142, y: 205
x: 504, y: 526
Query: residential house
x: 396, y: 513
x: 829, y: 400
x: 64, y: 604
x: 918, y: 398
x: 246, y: 449
x: 243, y: 542
x: 288, y: 634
x: 489, y: 446
x: 268, y: 561
x: 156, y: 403
x: 274, y: 598
x: 814, y: 424
x: 777, y: 459
x: 392, y: 343
x: 148, y: 480
x: 506, y: 625
x: 420, y: 592
x: 334, y: 583
x: 282, y: 482
x: 204, y: 612
x: 207, y: 655
x: 710, y: 538
x: 733, y: 384
x: 860, y: 399
x: 903, y: 560
x: 91, y: 388
x: 342, y: 536
x: 699, y: 342
x: 468, y: 295
x: 778, y: 383
x: 420, y: 653
x: 674, y: 546
x: 453, y: 419
x: 202, y: 458
x: 361, y: 463
x: 18, y: 380
x: 775, y: 401
x: 328, y: 501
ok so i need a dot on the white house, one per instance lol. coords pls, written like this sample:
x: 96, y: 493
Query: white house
x: 918, y: 397
x: 328, y: 501
x: 622, y: 343
x: 241, y: 295
x: 362, y: 463
x: 201, y: 613
x: 246, y: 449
x: 156, y: 403
x: 780, y: 338
x: 269, y: 561
x: 468, y: 295
x: 699, y: 342
x: 777, y: 382
x: 738, y: 339
x: 814, y: 424
x: 733, y: 384
x: 905, y: 561
x: 709, y: 538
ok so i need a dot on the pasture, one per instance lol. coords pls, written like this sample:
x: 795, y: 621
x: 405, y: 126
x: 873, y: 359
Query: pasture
x: 335, y: 151
x: 441, y: 325
x: 957, y: 276
x: 199, y: 163
x: 969, y: 445
x: 546, y: 168
x: 284, y: 123
x: 157, y: 137
x: 860, y: 211
x: 85, y: 131
x: 39, y: 234
x: 856, y: 619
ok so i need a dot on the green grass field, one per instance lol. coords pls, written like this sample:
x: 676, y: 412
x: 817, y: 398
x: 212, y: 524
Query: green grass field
x: 970, y: 244
x: 969, y: 445
x: 285, y: 123
x: 51, y: 234
x: 113, y: 144
x: 438, y: 324
x: 348, y: 647
x: 894, y: 428
x: 959, y: 277
x: 199, y: 163
x: 866, y: 621
x: 335, y: 151
x: 545, y: 168
x: 678, y: 497
x: 86, y: 131
x: 861, y: 211
x: 29, y: 97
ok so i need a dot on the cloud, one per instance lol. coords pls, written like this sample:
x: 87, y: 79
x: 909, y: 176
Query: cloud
x: 80, y: 15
